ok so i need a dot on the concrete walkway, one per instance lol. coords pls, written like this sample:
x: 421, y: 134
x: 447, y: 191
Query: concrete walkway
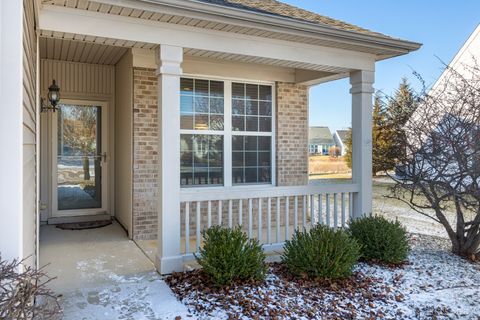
x: 103, y: 275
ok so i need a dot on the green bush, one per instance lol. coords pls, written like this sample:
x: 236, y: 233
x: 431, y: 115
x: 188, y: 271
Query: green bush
x: 321, y: 253
x: 228, y: 255
x: 381, y: 240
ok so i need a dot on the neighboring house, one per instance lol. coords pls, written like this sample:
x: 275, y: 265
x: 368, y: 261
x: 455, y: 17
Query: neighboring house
x: 199, y: 108
x: 339, y: 137
x: 320, y: 140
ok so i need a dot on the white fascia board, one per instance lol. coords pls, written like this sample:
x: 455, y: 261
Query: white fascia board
x: 268, y: 22
x: 61, y: 19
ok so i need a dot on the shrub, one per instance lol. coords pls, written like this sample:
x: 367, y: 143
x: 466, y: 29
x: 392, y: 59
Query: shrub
x: 321, y: 253
x: 228, y: 255
x: 381, y: 240
x: 24, y: 293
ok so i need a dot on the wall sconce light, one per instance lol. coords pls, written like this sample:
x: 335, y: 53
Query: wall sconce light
x: 53, y: 98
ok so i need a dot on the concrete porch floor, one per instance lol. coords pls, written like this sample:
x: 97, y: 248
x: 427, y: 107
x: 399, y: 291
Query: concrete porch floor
x: 101, y: 274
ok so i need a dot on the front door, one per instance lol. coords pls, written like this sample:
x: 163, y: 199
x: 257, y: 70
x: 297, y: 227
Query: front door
x: 79, y: 159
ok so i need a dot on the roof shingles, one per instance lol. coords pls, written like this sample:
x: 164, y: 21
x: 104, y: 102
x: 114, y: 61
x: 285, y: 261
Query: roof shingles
x: 278, y: 8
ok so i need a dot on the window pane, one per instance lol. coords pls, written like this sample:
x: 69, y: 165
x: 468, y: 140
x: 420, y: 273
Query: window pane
x: 201, y: 160
x: 237, y: 159
x: 201, y: 87
x: 264, y: 175
x: 251, y: 123
x: 237, y: 176
x: 186, y: 86
x: 238, y: 90
x: 265, y: 108
x: 251, y: 91
x: 216, y: 89
x: 237, y: 143
x: 251, y: 143
x: 265, y: 124
x: 201, y: 104
x: 216, y: 105
x: 251, y: 175
x: 201, y: 121
x: 264, y: 143
x: 266, y: 93
x: 264, y: 159
x: 216, y: 122
x: 186, y: 121
x: 238, y: 123
x: 251, y: 159
x: 238, y: 106
x: 251, y: 107
x: 186, y: 103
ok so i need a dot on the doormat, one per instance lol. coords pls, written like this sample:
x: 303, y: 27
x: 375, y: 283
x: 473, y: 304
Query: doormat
x: 84, y: 225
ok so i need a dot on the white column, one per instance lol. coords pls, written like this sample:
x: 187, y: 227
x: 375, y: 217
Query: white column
x: 169, y: 71
x: 362, y: 91
x: 11, y: 130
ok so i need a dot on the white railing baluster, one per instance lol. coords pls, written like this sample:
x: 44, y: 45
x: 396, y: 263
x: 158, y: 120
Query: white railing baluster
x: 327, y: 210
x: 269, y: 220
x: 335, y: 211
x: 260, y: 220
x: 312, y: 209
x: 350, y: 206
x: 240, y: 212
x: 295, y: 214
x: 287, y: 207
x: 187, y: 227
x: 230, y: 222
x: 343, y: 209
x: 209, y: 214
x: 250, y: 221
x: 278, y: 220
x: 320, y: 209
x: 220, y: 209
x: 304, y: 215
x: 197, y: 222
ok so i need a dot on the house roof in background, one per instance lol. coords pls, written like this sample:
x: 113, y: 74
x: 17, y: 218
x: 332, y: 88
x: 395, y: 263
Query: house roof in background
x: 342, y: 134
x: 320, y: 135
x: 281, y: 9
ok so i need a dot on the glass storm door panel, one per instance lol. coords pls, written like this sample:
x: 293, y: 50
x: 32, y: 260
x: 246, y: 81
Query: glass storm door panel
x: 79, y: 157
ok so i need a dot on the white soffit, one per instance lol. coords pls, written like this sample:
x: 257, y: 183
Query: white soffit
x: 213, y: 25
x: 99, y: 50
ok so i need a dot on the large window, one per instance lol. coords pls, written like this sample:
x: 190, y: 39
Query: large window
x: 226, y: 133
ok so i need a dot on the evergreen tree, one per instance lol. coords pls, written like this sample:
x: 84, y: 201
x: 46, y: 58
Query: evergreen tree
x: 399, y: 109
x: 381, y: 138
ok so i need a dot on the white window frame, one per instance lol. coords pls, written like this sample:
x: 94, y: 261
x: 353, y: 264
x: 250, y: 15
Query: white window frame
x: 227, y: 133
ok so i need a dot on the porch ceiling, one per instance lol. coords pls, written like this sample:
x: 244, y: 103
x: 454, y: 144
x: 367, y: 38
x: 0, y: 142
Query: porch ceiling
x: 210, y: 17
x: 99, y: 50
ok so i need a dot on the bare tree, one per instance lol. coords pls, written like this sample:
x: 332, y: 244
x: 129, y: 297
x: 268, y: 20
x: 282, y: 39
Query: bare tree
x: 442, y: 159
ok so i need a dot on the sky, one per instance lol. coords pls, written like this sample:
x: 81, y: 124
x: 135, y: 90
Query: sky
x: 442, y: 26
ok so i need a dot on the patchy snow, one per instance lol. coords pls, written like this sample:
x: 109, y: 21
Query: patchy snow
x: 434, y: 284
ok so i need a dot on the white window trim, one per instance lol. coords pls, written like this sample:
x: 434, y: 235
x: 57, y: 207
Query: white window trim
x: 227, y: 134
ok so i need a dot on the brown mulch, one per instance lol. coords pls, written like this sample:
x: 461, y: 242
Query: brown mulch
x: 283, y: 296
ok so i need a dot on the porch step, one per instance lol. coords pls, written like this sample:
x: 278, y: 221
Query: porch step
x: 97, y: 217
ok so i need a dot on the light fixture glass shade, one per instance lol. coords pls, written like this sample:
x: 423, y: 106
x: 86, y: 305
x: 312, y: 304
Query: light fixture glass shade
x: 53, y: 94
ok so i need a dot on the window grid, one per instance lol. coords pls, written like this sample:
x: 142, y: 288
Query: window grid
x: 264, y: 170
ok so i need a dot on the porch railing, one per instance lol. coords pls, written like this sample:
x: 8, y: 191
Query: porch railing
x: 268, y: 214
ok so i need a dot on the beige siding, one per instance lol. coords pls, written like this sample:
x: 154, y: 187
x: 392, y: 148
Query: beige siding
x: 29, y: 133
x: 78, y: 81
x: 123, y: 141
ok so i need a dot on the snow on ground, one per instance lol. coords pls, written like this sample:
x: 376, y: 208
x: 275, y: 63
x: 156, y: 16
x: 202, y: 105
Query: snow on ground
x: 434, y: 284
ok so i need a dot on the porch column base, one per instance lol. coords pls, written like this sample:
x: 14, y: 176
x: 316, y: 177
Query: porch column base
x: 167, y: 265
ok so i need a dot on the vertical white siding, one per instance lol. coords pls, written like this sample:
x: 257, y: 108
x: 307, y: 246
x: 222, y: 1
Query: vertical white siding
x: 123, y: 139
x: 29, y: 133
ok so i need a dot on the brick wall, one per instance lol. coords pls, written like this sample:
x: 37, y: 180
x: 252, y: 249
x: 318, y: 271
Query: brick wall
x: 145, y: 153
x: 292, y: 134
